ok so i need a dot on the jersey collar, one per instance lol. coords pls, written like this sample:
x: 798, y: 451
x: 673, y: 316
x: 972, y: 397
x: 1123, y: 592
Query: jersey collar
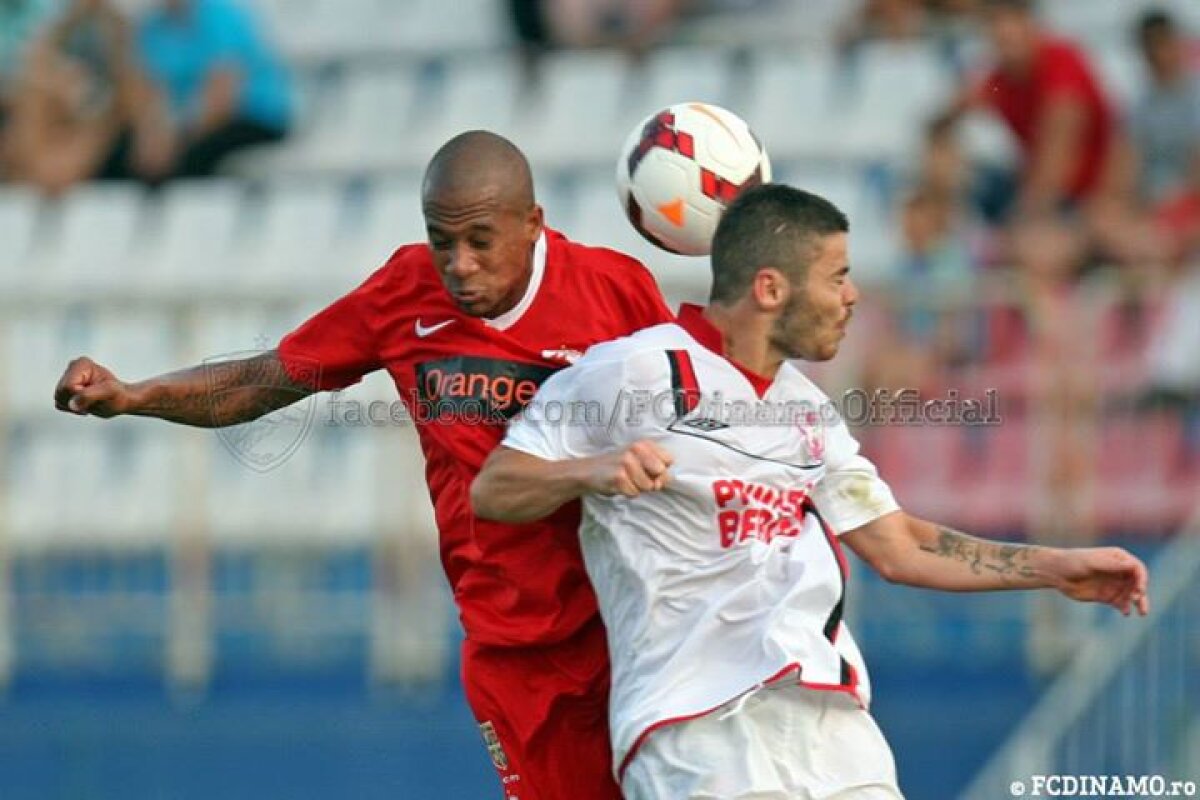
x: 510, y: 317
x: 691, y: 318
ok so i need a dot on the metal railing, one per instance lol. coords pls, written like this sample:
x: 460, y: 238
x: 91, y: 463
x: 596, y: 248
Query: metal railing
x: 1128, y: 703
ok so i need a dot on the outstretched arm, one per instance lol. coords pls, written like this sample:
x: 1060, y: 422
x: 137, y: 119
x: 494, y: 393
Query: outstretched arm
x: 205, y: 396
x: 914, y: 552
x: 518, y: 487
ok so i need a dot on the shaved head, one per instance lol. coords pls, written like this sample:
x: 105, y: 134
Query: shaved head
x: 482, y: 221
x: 476, y: 164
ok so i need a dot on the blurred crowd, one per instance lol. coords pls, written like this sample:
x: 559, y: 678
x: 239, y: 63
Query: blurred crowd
x: 1101, y: 194
x: 87, y: 92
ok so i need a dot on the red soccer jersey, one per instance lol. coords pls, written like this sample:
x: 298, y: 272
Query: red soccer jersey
x: 462, y: 378
x: 1060, y: 70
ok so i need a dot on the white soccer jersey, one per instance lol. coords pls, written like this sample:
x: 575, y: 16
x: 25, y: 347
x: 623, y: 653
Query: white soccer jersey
x: 733, y: 576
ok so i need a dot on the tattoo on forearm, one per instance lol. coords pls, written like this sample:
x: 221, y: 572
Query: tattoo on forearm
x: 1009, y: 561
x: 226, y: 393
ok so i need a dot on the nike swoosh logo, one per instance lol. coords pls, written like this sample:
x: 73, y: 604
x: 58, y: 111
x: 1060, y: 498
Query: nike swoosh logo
x: 422, y: 331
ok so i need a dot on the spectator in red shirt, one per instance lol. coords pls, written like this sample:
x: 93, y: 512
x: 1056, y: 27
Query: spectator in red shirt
x: 1077, y: 166
x: 1047, y: 92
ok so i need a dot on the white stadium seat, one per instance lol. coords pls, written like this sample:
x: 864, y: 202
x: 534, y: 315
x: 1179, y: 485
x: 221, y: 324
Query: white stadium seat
x: 573, y: 119
x: 292, y: 245
x: 480, y: 92
x: 791, y: 96
x: 392, y: 217
x: 433, y: 27
x: 19, y: 221
x: 365, y: 118
x: 36, y: 349
x: 193, y: 244
x: 677, y: 75
x: 895, y: 89
x: 97, y: 230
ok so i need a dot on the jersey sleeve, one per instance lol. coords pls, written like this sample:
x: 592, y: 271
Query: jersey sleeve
x: 851, y: 493
x: 336, y: 347
x: 569, y: 416
x: 1066, y: 76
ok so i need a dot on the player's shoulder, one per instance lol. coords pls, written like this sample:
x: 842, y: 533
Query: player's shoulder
x: 800, y: 381
x: 639, y: 357
x: 407, y: 269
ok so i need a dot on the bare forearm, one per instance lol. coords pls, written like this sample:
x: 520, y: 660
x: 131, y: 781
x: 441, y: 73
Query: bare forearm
x: 517, y: 487
x: 218, y: 394
x: 1054, y: 161
x: 951, y: 560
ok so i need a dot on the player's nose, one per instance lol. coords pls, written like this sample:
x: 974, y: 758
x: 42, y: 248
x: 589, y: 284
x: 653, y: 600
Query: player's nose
x: 849, y: 293
x: 462, y: 262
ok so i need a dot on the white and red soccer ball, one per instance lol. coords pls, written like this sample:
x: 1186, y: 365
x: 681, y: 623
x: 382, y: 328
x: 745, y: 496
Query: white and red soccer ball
x: 681, y: 167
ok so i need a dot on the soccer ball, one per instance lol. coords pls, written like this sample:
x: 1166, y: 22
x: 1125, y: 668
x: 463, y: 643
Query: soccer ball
x: 681, y: 167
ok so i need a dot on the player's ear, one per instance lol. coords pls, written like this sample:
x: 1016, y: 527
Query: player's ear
x: 770, y: 289
x: 534, y: 222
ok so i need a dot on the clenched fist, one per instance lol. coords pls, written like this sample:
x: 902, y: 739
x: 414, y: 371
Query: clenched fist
x: 641, y: 467
x: 88, y: 388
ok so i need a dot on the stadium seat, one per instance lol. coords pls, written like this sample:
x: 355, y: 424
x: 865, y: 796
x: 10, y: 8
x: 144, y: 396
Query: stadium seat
x: 998, y: 485
x: 192, y: 247
x: 19, y: 209
x: 391, y: 217
x: 292, y: 243
x: 36, y: 348
x: 1098, y: 22
x: 422, y: 26
x: 894, y: 89
x: 572, y: 119
x: 678, y: 75
x: 97, y: 229
x: 791, y: 96
x: 366, y: 119
x: 479, y: 92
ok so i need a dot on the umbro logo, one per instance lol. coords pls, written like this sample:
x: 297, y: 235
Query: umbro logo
x: 705, y: 424
x: 423, y: 331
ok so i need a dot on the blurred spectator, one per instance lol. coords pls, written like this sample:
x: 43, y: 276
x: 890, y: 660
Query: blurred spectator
x: 886, y: 20
x: 19, y: 21
x: 943, y: 22
x: 934, y: 276
x: 1166, y: 118
x: 633, y: 25
x: 1047, y: 92
x: 1166, y: 127
x: 80, y: 108
x: 226, y: 89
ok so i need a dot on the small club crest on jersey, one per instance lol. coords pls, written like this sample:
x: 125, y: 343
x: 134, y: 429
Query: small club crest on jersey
x: 492, y: 741
x: 812, y: 436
